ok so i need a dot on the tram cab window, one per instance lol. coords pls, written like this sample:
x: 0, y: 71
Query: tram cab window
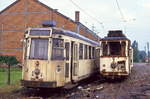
x: 114, y: 49
x: 39, y: 49
x: 58, y: 49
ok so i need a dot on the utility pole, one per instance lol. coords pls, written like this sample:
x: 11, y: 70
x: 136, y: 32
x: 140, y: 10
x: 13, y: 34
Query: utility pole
x: 145, y: 54
x: 93, y: 28
x: 148, y: 51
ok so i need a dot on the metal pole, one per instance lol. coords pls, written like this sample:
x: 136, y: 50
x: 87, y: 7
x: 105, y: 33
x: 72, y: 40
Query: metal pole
x: 148, y: 51
x: 145, y: 54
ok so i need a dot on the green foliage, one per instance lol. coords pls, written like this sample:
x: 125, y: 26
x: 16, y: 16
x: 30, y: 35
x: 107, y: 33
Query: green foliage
x: 16, y: 75
x: 9, y: 60
x: 135, y: 51
x: 142, y: 56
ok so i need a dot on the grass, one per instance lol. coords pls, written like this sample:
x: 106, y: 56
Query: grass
x: 15, y: 79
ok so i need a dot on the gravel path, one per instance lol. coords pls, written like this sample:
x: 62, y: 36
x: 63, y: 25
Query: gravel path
x: 136, y: 86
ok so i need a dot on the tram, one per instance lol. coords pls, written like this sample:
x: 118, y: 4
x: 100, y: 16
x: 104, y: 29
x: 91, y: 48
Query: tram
x: 116, y: 55
x: 54, y: 57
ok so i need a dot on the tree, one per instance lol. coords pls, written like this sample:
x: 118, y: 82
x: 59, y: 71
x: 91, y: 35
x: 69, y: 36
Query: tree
x: 142, y: 56
x: 135, y: 51
x: 9, y: 61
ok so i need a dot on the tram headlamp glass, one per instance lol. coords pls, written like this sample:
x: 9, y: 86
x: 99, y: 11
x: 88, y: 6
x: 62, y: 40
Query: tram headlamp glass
x: 113, y: 65
x: 37, y: 63
x: 37, y: 71
x: 104, y: 65
x: 58, y: 68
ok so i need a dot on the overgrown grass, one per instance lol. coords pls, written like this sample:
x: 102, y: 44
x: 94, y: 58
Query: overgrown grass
x: 15, y: 78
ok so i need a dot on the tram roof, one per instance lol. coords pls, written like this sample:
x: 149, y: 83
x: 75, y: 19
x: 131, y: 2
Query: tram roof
x: 71, y: 34
x: 114, y: 38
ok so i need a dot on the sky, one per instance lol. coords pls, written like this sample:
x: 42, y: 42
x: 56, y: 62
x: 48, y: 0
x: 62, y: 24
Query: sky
x: 104, y: 15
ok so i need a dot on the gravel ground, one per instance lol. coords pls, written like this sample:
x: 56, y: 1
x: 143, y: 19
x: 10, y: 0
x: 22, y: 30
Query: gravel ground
x: 136, y: 86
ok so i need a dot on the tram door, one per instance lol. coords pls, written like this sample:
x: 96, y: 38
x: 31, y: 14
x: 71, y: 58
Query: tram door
x: 67, y: 61
x: 74, y: 61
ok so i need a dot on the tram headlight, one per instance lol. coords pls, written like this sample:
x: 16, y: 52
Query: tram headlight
x: 113, y: 65
x: 37, y: 71
x: 37, y: 63
x: 58, y: 68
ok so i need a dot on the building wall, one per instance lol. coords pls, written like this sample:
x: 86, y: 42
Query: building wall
x: 28, y: 13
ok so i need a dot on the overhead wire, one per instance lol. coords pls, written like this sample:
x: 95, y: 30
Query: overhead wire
x: 93, y: 18
x: 120, y: 11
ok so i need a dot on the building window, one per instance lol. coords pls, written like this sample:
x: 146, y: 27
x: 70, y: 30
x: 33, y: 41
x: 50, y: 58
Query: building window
x: 85, y: 52
x: 58, y: 49
x: 81, y: 51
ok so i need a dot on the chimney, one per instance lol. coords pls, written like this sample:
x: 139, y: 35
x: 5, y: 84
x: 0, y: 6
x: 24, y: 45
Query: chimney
x: 77, y: 16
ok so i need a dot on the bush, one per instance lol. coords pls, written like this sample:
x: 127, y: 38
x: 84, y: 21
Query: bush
x: 9, y: 60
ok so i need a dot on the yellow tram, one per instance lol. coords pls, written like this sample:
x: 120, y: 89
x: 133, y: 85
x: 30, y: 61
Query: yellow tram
x: 116, y: 55
x: 54, y: 57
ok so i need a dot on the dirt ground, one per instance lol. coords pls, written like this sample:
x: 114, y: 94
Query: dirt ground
x: 136, y: 86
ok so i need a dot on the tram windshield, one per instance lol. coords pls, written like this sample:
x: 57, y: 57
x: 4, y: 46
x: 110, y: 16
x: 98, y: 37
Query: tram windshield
x: 113, y: 48
x: 39, y: 49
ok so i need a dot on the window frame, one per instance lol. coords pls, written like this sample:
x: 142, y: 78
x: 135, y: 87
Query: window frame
x: 80, y: 51
x: 30, y: 48
x: 61, y: 48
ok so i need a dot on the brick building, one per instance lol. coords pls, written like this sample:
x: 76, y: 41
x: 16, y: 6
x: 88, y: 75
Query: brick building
x: 31, y: 13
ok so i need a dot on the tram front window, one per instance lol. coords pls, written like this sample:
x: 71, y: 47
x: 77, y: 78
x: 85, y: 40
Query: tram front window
x: 39, y: 49
x: 114, y: 49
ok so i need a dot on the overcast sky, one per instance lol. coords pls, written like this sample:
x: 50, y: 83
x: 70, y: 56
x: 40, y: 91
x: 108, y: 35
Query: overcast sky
x: 135, y: 12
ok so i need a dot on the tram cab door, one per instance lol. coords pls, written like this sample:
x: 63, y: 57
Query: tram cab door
x: 74, y: 62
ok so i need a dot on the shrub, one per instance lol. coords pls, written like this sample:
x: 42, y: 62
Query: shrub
x: 9, y: 60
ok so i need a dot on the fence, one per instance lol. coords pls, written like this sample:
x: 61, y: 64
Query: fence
x: 15, y: 76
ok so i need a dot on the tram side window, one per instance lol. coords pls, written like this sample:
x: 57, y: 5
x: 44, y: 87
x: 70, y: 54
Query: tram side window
x: 85, y: 51
x: 58, y: 49
x: 81, y: 51
x: 93, y: 52
x: 67, y: 70
x: 90, y: 55
x: 67, y: 46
